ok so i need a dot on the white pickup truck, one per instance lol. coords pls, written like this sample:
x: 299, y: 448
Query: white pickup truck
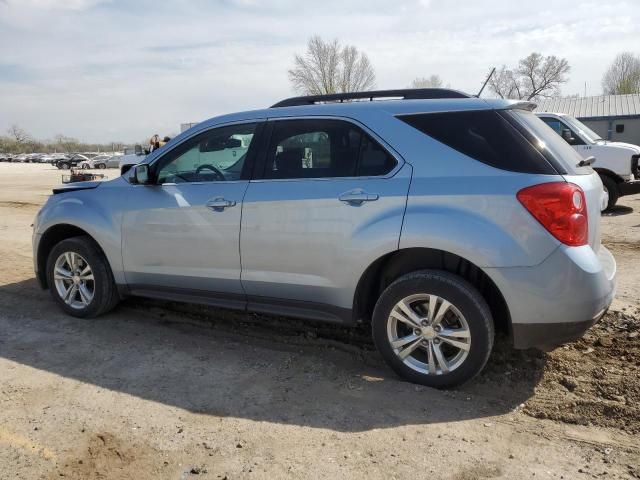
x: 616, y: 162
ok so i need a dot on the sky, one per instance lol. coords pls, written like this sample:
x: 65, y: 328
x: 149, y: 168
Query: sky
x: 121, y: 70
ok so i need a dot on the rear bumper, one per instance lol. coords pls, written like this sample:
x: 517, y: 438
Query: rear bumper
x: 558, y: 300
x: 537, y: 335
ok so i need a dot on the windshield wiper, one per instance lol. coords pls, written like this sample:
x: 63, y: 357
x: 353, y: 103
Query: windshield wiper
x: 586, y: 161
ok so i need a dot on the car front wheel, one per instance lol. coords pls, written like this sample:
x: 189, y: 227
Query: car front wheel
x: 79, y: 278
x: 433, y: 328
x: 611, y: 191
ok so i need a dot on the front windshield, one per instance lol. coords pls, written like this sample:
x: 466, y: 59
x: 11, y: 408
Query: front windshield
x: 582, y: 129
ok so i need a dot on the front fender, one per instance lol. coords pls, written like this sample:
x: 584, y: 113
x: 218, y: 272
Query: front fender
x: 93, y: 211
x: 614, y: 158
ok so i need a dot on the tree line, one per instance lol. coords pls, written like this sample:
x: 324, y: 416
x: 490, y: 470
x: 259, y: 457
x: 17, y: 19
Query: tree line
x: 329, y: 67
x: 17, y: 140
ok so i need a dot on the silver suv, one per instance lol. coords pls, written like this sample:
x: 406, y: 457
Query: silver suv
x: 436, y: 217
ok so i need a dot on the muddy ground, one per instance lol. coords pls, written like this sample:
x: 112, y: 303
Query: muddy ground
x: 164, y: 390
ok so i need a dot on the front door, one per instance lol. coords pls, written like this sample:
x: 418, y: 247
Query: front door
x: 183, y: 232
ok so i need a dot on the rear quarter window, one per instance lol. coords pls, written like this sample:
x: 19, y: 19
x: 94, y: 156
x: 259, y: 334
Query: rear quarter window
x: 483, y: 135
x: 547, y: 142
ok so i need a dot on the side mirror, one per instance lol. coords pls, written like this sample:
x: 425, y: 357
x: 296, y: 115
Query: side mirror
x: 140, y: 174
x: 566, y: 134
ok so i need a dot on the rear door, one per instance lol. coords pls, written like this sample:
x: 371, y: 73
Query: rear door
x: 327, y: 198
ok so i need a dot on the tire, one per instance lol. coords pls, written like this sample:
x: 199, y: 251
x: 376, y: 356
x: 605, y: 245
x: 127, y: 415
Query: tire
x: 84, y: 252
x: 468, y: 312
x: 611, y: 188
x: 102, y: 166
x: 85, y: 166
x: 64, y: 166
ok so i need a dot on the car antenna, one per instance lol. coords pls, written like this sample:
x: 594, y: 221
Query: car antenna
x: 486, y: 81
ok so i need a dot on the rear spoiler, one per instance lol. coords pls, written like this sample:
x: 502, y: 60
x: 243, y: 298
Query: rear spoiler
x: 522, y: 105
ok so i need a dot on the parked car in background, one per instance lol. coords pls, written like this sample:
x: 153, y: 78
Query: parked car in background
x: 51, y: 158
x: 56, y: 157
x: 102, y: 162
x: 615, y: 162
x: 5, y: 157
x: 436, y: 219
x: 71, y: 160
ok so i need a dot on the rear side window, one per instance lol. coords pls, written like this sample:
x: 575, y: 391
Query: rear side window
x: 309, y: 148
x: 483, y: 135
x: 558, y: 152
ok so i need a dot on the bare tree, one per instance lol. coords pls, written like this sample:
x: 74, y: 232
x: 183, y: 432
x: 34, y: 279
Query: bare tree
x: 18, y: 134
x: 505, y: 84
x: 623, y: 76
x: 67, y: 144
x: 434, y: 81
x: 328, y: 67
x: 535, y: 76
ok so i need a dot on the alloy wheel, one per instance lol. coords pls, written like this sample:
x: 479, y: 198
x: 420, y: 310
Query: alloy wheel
x: 74, y: 280
x: 428, y: 334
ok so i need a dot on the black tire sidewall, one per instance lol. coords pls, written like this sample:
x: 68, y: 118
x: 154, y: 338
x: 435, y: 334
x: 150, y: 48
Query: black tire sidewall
x: 612, y: 189
x: 464, y: 297
x: 103, y: 280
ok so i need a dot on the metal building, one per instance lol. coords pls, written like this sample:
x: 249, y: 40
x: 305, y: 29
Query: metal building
x: 614, y: 117
x: 187, y: 126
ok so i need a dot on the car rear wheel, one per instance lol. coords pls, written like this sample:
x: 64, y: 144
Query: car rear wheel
x: 433, y: 328
x: 102, y: 166
x: 80, y: 279
x: 64, y: 166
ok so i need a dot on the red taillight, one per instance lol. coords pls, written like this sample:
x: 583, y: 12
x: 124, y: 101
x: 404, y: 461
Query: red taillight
x: 561, y: 208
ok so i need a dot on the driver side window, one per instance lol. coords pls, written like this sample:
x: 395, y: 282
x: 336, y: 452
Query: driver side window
x: 214, y: 156
x: 559, y: 127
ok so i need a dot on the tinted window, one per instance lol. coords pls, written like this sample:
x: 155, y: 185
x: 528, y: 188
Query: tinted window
x: 215, y: 156
x: 558, y: 152
x: 324, y: 148
x: 374, y: 160
x: 485, y: 136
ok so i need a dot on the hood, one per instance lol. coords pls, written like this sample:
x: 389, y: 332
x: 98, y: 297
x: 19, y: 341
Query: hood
x: 634, y: 148
x: 73, y: 187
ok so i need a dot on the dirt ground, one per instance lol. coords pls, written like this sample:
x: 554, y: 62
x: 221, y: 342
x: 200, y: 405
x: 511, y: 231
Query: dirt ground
x: 161, y: 390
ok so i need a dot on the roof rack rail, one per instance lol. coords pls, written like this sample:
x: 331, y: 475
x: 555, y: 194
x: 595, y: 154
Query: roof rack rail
x: 405, y: 94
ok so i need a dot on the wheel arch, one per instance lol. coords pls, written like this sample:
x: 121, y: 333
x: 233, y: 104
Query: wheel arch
x: 614, y: 176
x: 51, y: 237
x: 384, y: 270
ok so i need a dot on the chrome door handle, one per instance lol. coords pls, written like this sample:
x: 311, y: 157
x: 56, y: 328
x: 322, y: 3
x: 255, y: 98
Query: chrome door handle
x: 220, y: 204
x: 358, y: 197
